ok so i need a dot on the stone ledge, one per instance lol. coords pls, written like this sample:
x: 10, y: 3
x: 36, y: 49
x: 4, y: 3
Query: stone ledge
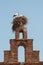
x: 39, y: 63
x: 21, y: 39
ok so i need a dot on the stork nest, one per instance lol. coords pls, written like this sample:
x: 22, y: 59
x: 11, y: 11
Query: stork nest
x: 18, y: 21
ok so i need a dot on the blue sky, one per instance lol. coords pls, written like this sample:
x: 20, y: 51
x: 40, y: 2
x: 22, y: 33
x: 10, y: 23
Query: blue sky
x: 33, y: 10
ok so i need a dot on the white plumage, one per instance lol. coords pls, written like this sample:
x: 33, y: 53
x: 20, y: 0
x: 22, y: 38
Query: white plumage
x: 16, y: 15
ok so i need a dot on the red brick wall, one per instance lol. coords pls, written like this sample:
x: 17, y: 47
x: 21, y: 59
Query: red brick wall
x: 12, y: 55
x: 30, y: 55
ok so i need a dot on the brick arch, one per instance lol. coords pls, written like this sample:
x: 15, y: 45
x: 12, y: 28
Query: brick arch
x: 21, y: 44
x: 21, y: 30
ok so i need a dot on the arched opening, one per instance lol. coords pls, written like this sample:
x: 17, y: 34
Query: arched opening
x: 21, y: 54
x: 21, y: 35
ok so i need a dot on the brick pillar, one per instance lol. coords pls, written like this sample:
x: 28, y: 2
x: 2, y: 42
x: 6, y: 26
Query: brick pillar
x: 25, y: 35
x: 17, y: 35
x: 21, y: 30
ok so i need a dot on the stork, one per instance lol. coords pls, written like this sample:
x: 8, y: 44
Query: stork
x: 16, y: 15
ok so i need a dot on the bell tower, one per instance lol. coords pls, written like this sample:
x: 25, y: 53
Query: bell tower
x: 11, y: 56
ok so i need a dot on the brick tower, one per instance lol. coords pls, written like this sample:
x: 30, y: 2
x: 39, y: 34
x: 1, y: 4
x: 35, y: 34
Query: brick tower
x: 11, y: 56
